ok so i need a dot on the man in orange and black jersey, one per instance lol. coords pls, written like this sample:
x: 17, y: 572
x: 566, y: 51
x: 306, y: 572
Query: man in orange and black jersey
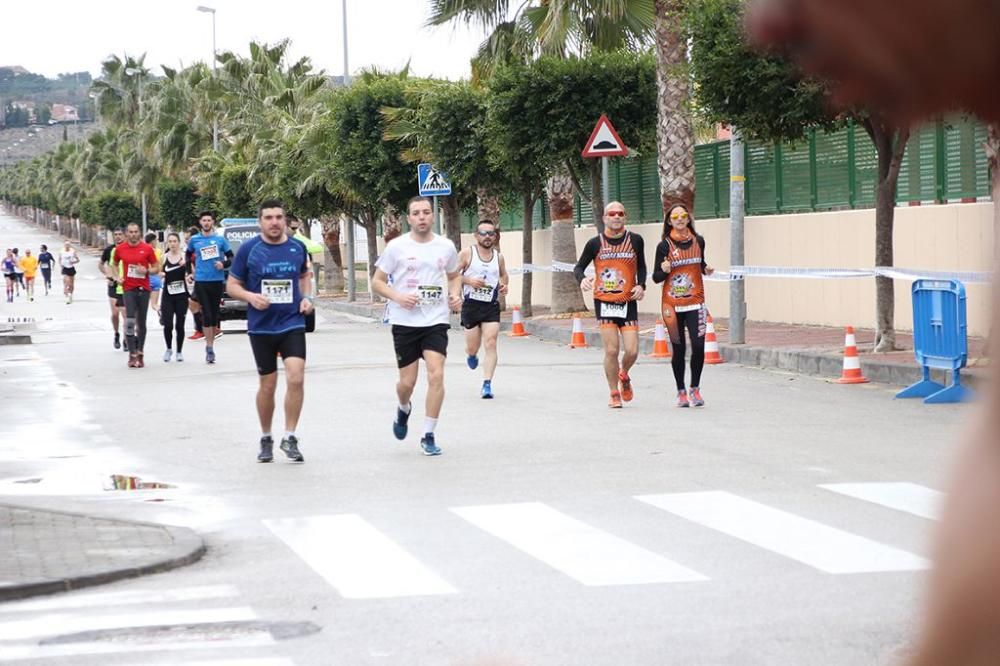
x: 619, y: 283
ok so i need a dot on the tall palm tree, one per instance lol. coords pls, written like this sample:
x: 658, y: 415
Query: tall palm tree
x: 675, y: 136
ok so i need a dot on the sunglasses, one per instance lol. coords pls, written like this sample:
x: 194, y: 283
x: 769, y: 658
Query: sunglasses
x: 679, y: 215
x: 615, y: 213
x: 487, y: 233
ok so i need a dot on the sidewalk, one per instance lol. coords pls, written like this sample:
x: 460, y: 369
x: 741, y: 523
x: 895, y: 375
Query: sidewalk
x: 42, y: 552
x: 812, y: 350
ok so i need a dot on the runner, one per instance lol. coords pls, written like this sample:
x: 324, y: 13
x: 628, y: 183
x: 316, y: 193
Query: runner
x: 483, y: 280
x: 193, y: 306
x: 680, y: 264
x: 68, y: 259
x: 212, y: 257
x: 272, y: 274
x: 620, y: 269
x: 29, y: 267
x: 426, y: 283
x: 174, y: 305
x: 46, y: 261
x: 110, y: 270
x: 9, y: 275
x: 18, y: 272
x: 138, y: 261
x: 155, y: 283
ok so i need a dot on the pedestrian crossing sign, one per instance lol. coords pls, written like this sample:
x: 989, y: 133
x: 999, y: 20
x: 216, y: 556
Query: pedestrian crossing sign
x: 432, y: 181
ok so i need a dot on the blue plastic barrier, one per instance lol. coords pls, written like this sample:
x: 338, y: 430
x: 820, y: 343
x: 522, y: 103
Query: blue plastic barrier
x: 939, y: 340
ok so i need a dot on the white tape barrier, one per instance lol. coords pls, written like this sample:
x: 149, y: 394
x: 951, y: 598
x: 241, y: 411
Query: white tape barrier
x: 742, y: 272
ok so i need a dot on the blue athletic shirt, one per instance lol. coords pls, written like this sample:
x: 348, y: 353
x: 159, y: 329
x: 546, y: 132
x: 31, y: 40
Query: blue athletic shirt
x: 273, y: 270
x: 207, y: 250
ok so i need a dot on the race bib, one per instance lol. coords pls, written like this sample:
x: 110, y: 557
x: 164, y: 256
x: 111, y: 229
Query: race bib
x: 482, y: 294
x: 44, y: 265
x: 431, y: 294
x: 277, y: 291
x: 209, y: 252
x: 174, y: 288
x: 614, y: 310
x: 133, y: 272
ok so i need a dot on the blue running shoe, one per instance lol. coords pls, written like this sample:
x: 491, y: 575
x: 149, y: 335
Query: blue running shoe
x: 428, y: 445
x: 472, y: 362
x: 209, y: 356
x: 487, y: 390
x: 399, y: 426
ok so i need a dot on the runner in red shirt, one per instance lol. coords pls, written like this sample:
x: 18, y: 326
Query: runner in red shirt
x: 137, y: 261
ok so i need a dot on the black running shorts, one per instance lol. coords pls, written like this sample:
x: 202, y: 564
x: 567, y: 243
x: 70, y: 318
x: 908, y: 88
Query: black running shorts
x: 475, y: 313
x: 69, y: 271
x: 208, y: 296
x: 629, y: 321
x: 267, y: 348
x: 412, y: 341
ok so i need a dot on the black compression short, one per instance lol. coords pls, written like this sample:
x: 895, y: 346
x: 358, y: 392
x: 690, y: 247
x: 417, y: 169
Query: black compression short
x: 208, y: 296
x: 267, y: 348
x: 411, y: 342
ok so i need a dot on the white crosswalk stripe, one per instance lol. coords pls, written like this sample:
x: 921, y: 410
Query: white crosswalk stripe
x: 820, y: 546
x: 901, y: 496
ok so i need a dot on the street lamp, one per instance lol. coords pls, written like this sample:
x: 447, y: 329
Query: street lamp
x: 215, y: 121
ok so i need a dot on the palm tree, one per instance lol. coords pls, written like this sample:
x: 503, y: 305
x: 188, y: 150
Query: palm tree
x: 674, y: 128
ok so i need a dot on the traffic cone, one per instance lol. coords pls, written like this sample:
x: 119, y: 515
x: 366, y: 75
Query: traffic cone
x: 517, y: 329
x: 712, y: 355
x: 851, y: 373
x: 578, y: 339
x: 660, y: 347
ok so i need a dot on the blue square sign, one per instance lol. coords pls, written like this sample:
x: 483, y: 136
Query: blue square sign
x: 432, y: 182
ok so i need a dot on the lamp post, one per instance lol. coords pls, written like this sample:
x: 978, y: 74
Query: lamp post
x: 215, y: 121
x: 132, y: 71
x: 352, y: 289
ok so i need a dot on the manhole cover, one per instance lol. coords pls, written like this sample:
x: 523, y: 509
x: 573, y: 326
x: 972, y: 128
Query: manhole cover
x: 201, y: 632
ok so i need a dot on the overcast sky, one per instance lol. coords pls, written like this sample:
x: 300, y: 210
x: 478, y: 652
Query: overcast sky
x: 57, y: 36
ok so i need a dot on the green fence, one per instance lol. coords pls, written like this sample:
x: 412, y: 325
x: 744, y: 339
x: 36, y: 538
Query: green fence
x: 943, y: 162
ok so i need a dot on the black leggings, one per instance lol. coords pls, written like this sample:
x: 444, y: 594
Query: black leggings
x: 136, y: 307
x: 694, y: 322
x: 173, y: 310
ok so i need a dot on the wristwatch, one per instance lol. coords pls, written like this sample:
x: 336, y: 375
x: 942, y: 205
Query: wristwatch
x: 310, y: 298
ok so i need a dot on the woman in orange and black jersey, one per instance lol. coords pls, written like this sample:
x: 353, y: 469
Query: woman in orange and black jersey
x: 680, y: 265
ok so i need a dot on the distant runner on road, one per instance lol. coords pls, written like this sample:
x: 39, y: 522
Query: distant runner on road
x: 68, y: 259
x: 484, y: 279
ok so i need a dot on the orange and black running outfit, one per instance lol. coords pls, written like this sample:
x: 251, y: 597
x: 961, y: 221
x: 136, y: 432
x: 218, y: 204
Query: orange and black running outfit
x: 683, y: 302
x: 619, y: 265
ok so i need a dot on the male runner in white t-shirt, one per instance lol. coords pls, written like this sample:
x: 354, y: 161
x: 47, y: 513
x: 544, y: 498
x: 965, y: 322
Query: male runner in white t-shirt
x: 426, y: 285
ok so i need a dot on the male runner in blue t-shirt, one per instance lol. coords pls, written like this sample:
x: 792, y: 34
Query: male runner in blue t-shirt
x: 272, y: 273
x: 212, y: 256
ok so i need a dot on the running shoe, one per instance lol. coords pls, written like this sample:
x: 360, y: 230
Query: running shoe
x: 166, y: 356
x: 140, y: 361
x: 616, y: 400
x: 399, y: 426
x: 290, y: 445
x: 472, y: 361
x: 210, y: 356
x: 682, y: 399
x: 487, y: 392
x: 180, y: 357
x: 266, y: 454
x: 118, y: 341
x: 197, y: 335
x: 626, y: 387
x: 132, y: 361
x: 696, y: 399
x: 428, y: 445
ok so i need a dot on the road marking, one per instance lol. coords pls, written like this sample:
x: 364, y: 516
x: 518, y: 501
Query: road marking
x: 582, y: 552
x: 114, y: 599
x: 907, y: 497
x: 357, y: 559
x: 32, y: 651
x: 279, y: 661
x: 61, y: 623
x: 815, y: 544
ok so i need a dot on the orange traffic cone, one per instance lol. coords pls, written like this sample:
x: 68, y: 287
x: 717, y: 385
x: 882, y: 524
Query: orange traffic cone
x: 517, y: 329
x: 851, y: 373
x: 578, y: 339
x: 660, y: 347
x: 712, y: 355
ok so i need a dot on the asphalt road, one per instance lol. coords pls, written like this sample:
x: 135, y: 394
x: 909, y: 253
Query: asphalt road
x: 787, y: 522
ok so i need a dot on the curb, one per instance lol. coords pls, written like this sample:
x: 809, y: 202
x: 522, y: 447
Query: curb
x: 802, y: 361
x: 15, y: 339
x: 187, y: 549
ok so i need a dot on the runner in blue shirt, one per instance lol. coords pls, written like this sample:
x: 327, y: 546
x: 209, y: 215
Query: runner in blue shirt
x: 273, y: 275
x: 212, y: 256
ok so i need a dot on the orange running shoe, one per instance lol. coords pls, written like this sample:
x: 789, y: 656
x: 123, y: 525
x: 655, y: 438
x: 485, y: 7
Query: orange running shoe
x: 616, y: 400
x: 626, y: 387
x: 682, y: 399
x: 696, y: 399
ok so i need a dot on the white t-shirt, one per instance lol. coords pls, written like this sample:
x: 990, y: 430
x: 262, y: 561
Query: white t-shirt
x: 422, y: 269
x: 67, y: 258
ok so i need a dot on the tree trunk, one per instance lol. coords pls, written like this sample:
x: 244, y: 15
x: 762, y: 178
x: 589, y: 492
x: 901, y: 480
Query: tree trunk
x: 527, y: 229
x: 890, y: 143
x: 371, y: 232
x: 392, y: 224
x: 674, y: 130
x: 488, y: 205
x: 452, y: 222
x: 597, y: 202
x: 566, y: 296
x: 335, y: 266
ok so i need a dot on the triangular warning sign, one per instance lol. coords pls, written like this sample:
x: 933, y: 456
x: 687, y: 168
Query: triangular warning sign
x: 604, y: 141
